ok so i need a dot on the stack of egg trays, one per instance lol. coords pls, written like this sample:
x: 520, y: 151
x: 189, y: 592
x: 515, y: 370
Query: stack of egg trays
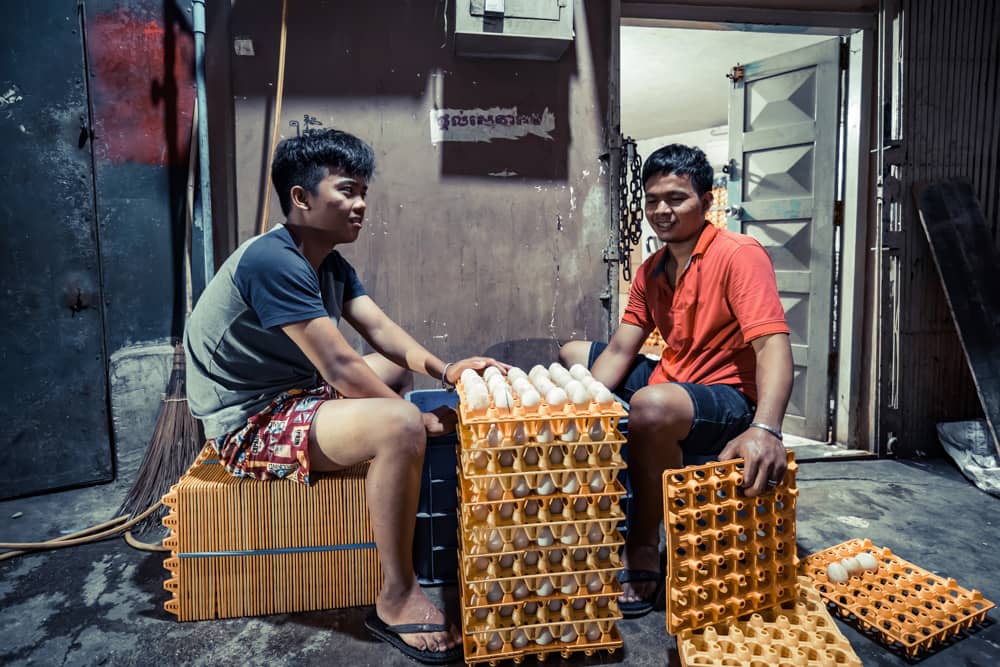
x: 727, y: 554
x: 800, y: 633
x: 539, y: 547
x: 902, y: 605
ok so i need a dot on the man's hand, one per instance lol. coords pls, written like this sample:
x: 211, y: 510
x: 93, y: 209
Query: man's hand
x: 478, y: 364
x: 439, y: 421
x: 764, y: 459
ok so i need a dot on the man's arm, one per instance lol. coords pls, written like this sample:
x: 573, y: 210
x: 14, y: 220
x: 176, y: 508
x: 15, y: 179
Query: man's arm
x: 763, y: 453
x: 395, y: 344
x: 334, y: 358
x: 612, y: 366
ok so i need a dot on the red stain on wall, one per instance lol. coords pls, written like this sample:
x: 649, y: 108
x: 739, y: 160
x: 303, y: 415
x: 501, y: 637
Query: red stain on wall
x: 142, y: 112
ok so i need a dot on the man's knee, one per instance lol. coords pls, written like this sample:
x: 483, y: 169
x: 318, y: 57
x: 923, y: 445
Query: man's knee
x: 575, y: 352
x: 402, y: 431
x: 661, y: 406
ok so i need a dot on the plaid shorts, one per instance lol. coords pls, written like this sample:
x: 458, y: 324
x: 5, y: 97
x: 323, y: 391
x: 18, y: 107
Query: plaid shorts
x: 274, y: 443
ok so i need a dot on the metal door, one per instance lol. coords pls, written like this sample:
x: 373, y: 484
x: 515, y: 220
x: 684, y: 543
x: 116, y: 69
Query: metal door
x: 784, y: 112
x: 53, y: 402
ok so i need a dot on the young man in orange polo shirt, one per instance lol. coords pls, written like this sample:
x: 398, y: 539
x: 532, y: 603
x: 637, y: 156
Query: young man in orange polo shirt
x: 723, y: 382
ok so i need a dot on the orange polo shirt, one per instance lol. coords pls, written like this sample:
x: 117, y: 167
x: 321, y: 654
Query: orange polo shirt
x: 726, y: 297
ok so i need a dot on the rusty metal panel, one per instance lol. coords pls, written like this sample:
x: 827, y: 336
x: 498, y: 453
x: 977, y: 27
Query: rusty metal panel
x: 470, y: 240
x: 950, y: 97
x: 54, y: 389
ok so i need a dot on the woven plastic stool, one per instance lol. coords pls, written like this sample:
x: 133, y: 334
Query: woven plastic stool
x: 242, y: 547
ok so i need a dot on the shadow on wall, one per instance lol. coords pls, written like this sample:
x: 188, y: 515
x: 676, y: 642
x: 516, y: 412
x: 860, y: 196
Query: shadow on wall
x: 383, y: 48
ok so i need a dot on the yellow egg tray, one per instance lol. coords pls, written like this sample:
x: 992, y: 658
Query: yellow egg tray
x: 513, y: 630
x: 484, y: 572
x: 536, y: 509
x: 595, y: 585
x: 559, y: 417
x: 477, y: 460
x: 727, y: 555
x: 798, y: 633
x: 565, y: 534
x: 905, y: 606
x: 543, y: 484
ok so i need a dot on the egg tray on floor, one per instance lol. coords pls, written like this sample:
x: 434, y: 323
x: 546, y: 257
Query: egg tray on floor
x: 532, y: 510
x: 495, y: 646
x: 727, y: 555
x: 477, y: 460
x: 798, y: 633
x: 905, y: 606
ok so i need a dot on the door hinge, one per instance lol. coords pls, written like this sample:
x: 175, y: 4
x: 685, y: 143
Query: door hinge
x: 845, y: 55
x: 838, y: 213
x: 736, y: 74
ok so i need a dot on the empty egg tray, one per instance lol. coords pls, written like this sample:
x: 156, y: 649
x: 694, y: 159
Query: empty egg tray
x: 798, y: 633
x: 727, y: 555
x: 549, y: 509
x: 904, y: 606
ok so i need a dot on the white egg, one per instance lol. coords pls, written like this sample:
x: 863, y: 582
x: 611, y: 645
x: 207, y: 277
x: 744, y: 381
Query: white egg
x: 506, y: 458
x: 596, y: 431
x: 579, y: 396
x: 530, y: 456
x: 531, y: 558
x: 603, y: 396
x: 495, y: 593
x: 570, y: 536
x: 482, y: 563
x: 570, y: 587
x: 580, y: 555
x: 544, y: 385
x: 594, y: 583
x: 538, y: 371
x: 479, y: 459
x: 520, y: 590
x: 596, y: 483
x: 579, y: 603
x: 506, y: 510
x: 555, y: 556
x: 495, y: 382
x: 555, y: 605
x: 530, y: 399
x: 604, y: 504
x: 556, y: 398
x: 544, y: 587
x: 603, y: 603
x: 495, y: 542
x: 495, y: 643
x: 867, y: 561
x: 522, y: 386
x: 495, y: 491
x: 544, y: 637
x: 563, y: 379
x: 545, y: 538
x: 568, y: 635
x: 588, y: 382
x: 521, y: 487
x: 593, y: 632
x: 480, y: 512
x: 502, y: 398
x: 556, y: 367
x: 578, y: 371
x: 572, y: 485
x: 494, y: 437
x: 515, y: 373
x: 520, y: 639
x: 492, y: 371
x: 531, y: 507
x: 836, y: 573
x: 521, y: 540
x: 507, y: 561
x: 481, y: 614
x: 555, y: 507
x: 544, y: 435
x: 852, y: 566
x: 555, y: 456
x: 605, y: 453
x: 531, y: 608
x: 571, y: 386
x: 595, y: 534
x: 507, y: 610
x: 581, y: 453
x: 547, y: 487
x: 477, y: 399
x: 570, y: 434
x: 603, y: 553
x: 580, y: 505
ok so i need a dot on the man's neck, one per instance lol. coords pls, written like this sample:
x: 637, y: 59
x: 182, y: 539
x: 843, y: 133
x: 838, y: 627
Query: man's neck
x: 681, y: 252
x: 313, y: 246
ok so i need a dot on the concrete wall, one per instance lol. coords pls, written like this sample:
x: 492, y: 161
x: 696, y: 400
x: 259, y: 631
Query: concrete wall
x: 469, y: 245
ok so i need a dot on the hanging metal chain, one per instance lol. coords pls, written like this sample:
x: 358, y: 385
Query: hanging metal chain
x: 630, y: 201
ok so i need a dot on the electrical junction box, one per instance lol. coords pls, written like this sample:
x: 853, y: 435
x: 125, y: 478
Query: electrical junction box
x: 526, y: 29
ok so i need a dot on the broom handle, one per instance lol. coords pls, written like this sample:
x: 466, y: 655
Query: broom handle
x: 278, y: 95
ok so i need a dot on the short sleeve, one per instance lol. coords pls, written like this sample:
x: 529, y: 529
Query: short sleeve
x: 352, y: 284
x: 637, y: 311
x: 752, y: 292
x: 279, y: 285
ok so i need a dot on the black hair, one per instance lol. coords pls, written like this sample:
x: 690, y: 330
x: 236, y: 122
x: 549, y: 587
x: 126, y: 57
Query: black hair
x: 681, y: 160
x: 307, y: 159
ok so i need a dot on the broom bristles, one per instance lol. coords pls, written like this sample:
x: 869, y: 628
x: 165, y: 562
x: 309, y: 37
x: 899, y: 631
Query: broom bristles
x: 175, y: 443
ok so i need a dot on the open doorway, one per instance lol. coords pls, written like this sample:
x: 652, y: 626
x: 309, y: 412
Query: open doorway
x: 772, y: 108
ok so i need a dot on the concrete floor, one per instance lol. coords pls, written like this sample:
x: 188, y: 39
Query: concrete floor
x: 101, y: 604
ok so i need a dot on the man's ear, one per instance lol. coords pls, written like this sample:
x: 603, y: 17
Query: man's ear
x: 300, y: 198
x: 706, y: 201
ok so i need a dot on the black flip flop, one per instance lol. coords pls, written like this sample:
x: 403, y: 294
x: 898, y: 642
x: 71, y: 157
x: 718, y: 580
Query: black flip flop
x: 391, y: 634
x: 647, y: 604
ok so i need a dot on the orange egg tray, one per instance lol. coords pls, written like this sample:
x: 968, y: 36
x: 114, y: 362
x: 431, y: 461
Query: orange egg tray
x: 798, y: 633
x: 727, y: 555
x: 905, y: 606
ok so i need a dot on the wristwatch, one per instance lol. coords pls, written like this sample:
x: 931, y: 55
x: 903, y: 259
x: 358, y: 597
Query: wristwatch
x: 770, y: 429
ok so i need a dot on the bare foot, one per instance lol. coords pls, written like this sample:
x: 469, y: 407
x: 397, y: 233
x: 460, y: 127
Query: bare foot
x: 643, y: 557
x: 412, y: 606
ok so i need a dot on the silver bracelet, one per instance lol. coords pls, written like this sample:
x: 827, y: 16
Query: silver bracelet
x: 770, y: 429
x: 444, y: 377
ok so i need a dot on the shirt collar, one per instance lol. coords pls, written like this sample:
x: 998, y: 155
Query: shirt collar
x: 708, y: 234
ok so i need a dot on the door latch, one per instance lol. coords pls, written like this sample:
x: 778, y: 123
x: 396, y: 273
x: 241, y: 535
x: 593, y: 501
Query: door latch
x: 735, y: 212
x: 736, y: 74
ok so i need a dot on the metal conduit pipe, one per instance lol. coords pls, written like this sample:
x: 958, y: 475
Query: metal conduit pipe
x: 202, y: 248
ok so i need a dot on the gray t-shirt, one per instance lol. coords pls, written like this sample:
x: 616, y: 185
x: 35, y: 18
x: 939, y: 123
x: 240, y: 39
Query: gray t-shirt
x: 238, y: 358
